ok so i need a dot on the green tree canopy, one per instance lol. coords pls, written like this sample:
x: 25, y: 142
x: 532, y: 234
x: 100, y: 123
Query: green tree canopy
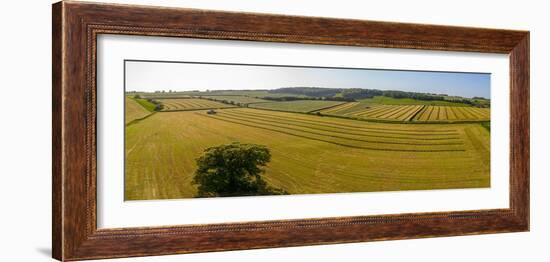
x: 233, y: 170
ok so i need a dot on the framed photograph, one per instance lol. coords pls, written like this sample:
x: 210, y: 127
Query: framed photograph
x: 183, y: 130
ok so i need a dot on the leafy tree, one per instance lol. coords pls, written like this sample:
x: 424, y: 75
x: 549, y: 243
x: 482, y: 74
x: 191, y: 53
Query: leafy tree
x: 233, y: 170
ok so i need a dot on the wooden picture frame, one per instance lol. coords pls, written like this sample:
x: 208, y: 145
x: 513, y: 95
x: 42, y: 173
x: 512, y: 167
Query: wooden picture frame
x: 76, y: 26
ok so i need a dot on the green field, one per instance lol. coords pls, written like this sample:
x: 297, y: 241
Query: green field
x: 145, y: 104
x: 310, y: 153
x: 303, y: 106
x: 134, y: 110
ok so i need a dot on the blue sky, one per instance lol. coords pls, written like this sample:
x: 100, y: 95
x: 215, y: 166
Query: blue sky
x: 151, y: 76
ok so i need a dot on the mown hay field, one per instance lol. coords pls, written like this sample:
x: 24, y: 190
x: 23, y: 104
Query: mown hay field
x: 406, y: 113
x: 302, y: 106
x: 310, y: 154
x: 133, y: 110
x: 384, y: 100
x: 237, y: 99
x: 449, y: 113
x: 190, y: 104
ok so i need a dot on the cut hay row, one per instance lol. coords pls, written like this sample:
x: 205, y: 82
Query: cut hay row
x: 367, y: 111
x: 467, y: 114
x: 388, y: 110
x: 470, y: 113
x: 370, y: 112
x: 412, y: 113
x: 386, y: 113
x: 481, y: 112
x: 435, y: 113
x: 425, y: 115
x: 408, y: 112
x: 486, y: 112
x: 476, y: 113
x: 404, y: 111
x: 400, y: 113
x: 443, y: 113
x: 451, y: 114
x: 459, y: 114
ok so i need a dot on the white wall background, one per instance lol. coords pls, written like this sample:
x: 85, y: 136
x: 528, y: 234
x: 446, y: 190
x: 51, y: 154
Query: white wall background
x: 25, y: 147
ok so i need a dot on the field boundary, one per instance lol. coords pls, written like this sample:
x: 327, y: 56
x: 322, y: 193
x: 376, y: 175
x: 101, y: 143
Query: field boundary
x: 325, y: 108
x: 137, y: 120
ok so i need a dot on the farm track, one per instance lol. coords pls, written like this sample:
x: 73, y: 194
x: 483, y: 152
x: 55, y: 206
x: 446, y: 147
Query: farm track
x: 333, y: 142
x: 313, y: 125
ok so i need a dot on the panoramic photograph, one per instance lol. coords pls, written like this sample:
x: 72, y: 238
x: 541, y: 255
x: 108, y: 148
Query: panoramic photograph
x: 199, y: 130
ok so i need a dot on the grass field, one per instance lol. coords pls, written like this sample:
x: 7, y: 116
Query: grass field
x: 303, y: 106
x: 190, y: 104
x: 310, y: 154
